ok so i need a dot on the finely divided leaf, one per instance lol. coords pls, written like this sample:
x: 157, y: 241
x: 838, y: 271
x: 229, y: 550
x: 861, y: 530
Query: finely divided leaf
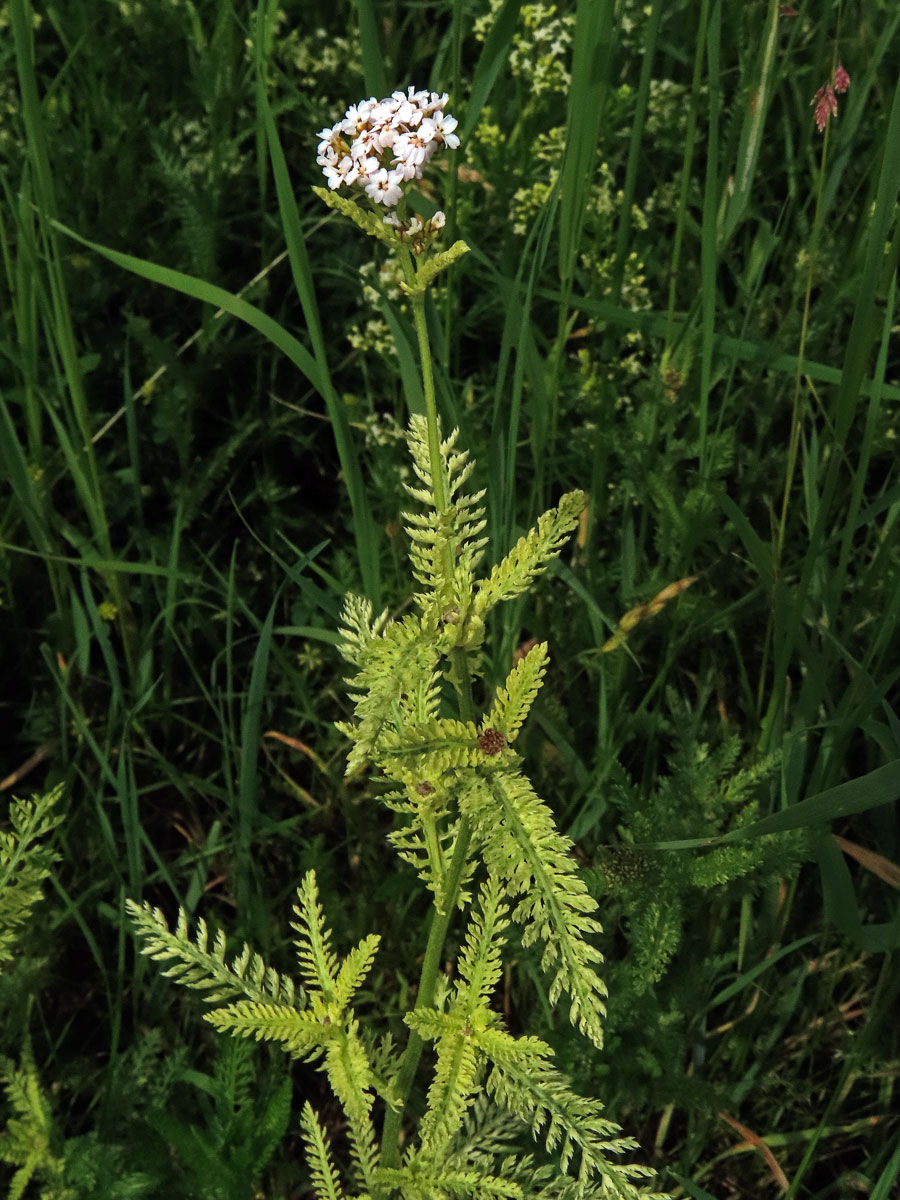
x: 426, y: 750
x: 530, y: 555
x: 397, y: 682
x: 417, y: 1182
x: 357, y: 627
x: 523, y: 847
x: 354, y: 969
x: 513, y: 701
x: 196, y: 965
x: 318, y: 1154
x: 301, y: 1034
x: 436, y: 264
x: 480, y: 962
x: 446, y: 542
x: 318, y: 962
x: 524, y: 1081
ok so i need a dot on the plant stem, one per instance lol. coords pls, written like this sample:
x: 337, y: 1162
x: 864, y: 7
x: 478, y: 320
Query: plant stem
x: 444, y: 909
x: 390, y: 1143
x: 434, y: 438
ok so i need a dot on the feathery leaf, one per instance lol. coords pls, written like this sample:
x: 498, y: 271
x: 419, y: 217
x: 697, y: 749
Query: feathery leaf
x: 428, y: 749
x: 451, y: 534
x: 301, y: 1034
x: 435, y: 265
x: 513, y: 701
x: 24, y: 862
x: 354, y: 969
x: 530, y: 555
x: 523, y: 847
x: 524, y: 1081
x: 318, y: 962
x: 397, y: 683
x: 196, y: 965
x: 416, y: 1182
x: 357, y: 628
x: 324, y: 1176
x: 480, y: 962
x: 369, y: 222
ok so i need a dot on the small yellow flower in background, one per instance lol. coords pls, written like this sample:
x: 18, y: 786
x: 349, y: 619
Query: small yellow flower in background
x: 107, y: 611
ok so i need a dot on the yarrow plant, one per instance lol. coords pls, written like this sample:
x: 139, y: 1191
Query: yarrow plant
x: 482, y: 842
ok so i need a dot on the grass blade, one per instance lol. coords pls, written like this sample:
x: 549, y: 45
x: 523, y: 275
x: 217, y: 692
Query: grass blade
x: 248, y: 779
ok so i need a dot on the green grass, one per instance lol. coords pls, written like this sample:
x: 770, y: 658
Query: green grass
x: 680, y: 297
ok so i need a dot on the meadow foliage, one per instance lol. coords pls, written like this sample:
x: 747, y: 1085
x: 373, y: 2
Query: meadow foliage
x: 521, y: 580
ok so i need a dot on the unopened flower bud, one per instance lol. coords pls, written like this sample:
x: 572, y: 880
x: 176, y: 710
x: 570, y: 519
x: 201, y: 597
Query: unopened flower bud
x: 492, y: 742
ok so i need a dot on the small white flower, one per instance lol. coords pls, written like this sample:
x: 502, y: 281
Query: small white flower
x: 333, y: 176
x: 358, y: 116
x: 404, y: 170
x: 385, y: 109
x: 385, y: 136
x: 344, y: 172
x: 410, y: 96
x: 413, y: 149
x: 438, y: 221
x: 365, y: 145
x: 435, y: 102
x: 360, y: 169
x: 443, y: 130
x: 365, y: 168
x: 407, y: 114
x: 330, y: 138
x: 384, y: 187
x: 411, y: 107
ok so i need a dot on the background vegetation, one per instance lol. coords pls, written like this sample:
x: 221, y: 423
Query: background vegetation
x: 681, y: 297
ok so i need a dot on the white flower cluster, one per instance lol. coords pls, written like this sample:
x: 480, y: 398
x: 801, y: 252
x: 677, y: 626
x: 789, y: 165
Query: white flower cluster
x: 381, y: 144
